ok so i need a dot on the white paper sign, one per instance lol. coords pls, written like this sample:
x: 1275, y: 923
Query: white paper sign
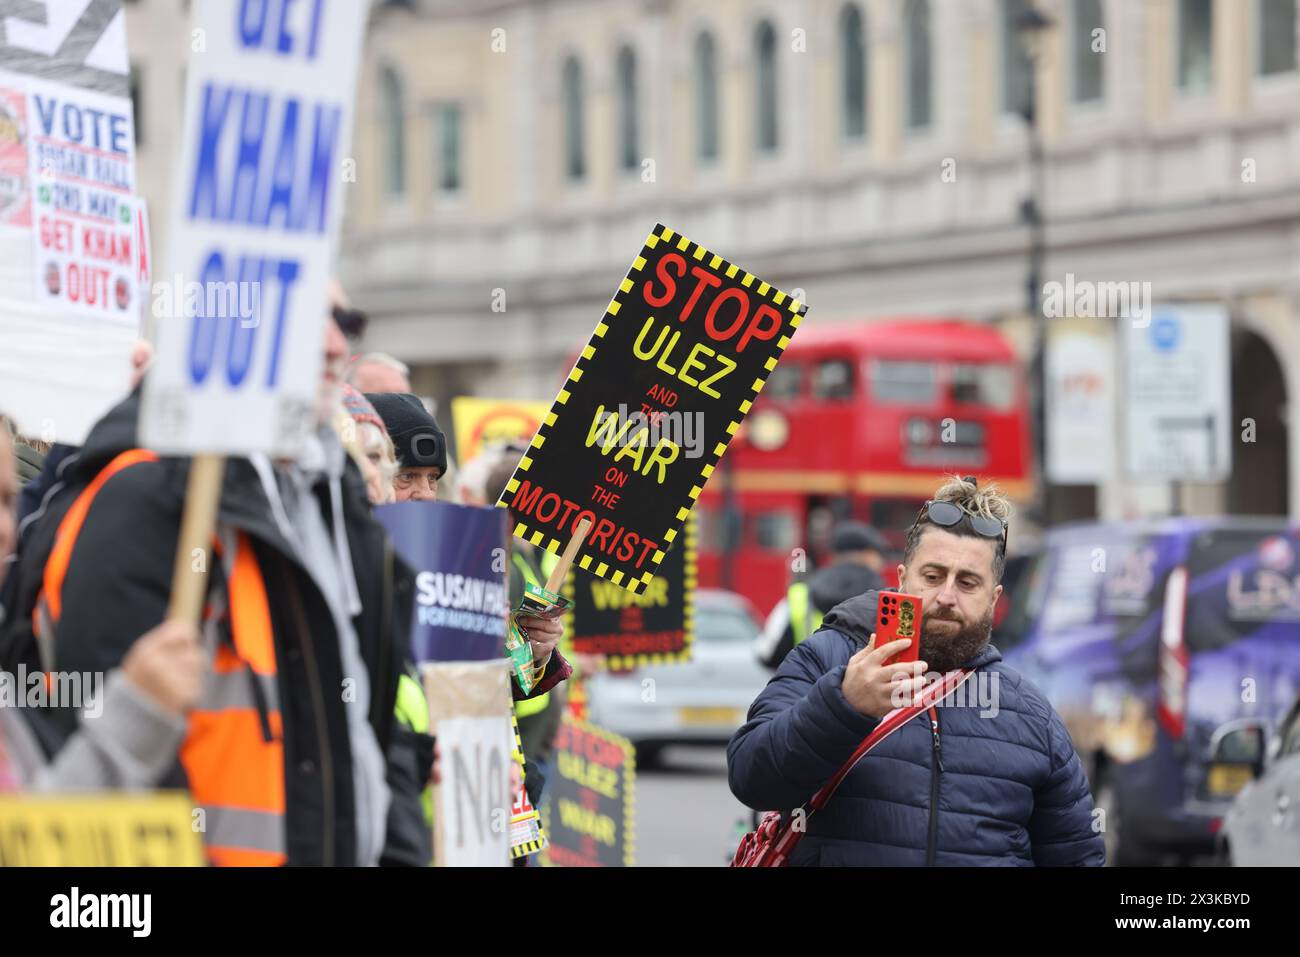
x: 475, y: 798
x: 70, y: 302
x: 240, y: 300
x: 1080, y: 401
x: 1177, y: 402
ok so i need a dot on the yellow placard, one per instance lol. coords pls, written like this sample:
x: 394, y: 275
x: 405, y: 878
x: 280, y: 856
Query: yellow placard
x: 108, y: 830
x: 479, y: 422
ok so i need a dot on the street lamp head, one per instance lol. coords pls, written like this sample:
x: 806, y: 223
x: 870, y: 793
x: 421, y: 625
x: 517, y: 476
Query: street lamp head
x: 1032, y: 27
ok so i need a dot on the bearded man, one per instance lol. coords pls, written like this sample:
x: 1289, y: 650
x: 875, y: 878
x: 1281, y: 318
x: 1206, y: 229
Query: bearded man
x: 987, y: 777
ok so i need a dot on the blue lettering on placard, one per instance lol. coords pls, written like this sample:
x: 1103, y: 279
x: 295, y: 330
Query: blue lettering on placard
x: 243, y: 329
x: 255, y: 15
x: 203, y: 327
x: 314, y: 44
x: 287, y: 272
x: 221, y: 324
x: 326, y: 141
x: 212, y: 118
x: 252, y: 127
x: 286, y: 159
x: 82, y: 124
x: 284, y: 43
x: 250, y: 31
x: 264, y: 184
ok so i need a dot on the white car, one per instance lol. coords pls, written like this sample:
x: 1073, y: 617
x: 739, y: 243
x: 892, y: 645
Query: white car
x: 702, y: 701
x: 1262, y: 828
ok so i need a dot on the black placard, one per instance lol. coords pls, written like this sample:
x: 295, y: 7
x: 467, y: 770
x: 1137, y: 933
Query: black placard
x: 654, y: 626
x: 588, y: 812
x: 649, y: 407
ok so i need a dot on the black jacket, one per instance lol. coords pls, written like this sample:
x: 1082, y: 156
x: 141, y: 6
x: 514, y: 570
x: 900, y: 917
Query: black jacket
x: 827, y: 587
x: 117, y: 588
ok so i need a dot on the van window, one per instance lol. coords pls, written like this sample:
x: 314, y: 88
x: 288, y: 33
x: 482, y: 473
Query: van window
x: 1023, y: 588
x: 1118, y: 581
x: 1241, y: 581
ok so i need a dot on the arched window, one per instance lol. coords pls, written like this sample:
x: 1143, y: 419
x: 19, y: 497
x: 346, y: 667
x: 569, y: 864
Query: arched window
x: 629, y: 149
x: 393, y: 110
x: 917, y: 26
x: 1088, y: 83
x: 853, y: 73
x: 706, y: 97
x: 766, y: 133
x: 575, y: 161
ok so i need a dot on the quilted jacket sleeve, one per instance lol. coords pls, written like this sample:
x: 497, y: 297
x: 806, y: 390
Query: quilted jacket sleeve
x: 1061, y: 826
x: 800, y: 731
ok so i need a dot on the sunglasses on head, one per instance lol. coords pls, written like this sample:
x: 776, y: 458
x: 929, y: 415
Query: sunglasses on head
x: 947, y: 515
x: 351, y: 322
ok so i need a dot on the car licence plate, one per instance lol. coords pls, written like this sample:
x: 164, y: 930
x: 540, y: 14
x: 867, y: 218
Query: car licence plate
x: 1227, y: 779
x: 720, y: 716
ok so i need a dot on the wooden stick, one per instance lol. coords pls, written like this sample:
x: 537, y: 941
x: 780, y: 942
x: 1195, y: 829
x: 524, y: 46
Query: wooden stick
x: 198, y: 520
x: 561, y: 568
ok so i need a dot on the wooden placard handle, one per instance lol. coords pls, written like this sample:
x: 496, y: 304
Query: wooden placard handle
x: 561, y: 568
x: 198, y: 521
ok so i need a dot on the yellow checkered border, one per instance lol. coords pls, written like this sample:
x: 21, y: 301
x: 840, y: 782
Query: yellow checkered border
x: 691, y: 580
x: 629, y: 788
x: 528, y: 847
x: 793, y: 313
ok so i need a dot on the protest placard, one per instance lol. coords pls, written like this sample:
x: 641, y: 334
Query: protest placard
x: 458, y: 553
x: 654, y: 626
x: 482, y: 424
x: 589, y: 811
x: 647, y: 411
x: 526, y: 833
x: 470, y: 714
x: 106, y: 830
x: 253, y: 228
x: 71, y: 303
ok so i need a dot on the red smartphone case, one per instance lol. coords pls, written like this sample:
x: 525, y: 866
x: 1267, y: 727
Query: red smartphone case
x: 899, y: 616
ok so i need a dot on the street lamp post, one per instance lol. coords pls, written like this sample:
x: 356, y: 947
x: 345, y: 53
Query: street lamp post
x: 1032, y: 27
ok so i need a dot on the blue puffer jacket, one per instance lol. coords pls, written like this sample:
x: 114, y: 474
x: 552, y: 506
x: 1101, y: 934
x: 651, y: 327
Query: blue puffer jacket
x: 1010, y: 788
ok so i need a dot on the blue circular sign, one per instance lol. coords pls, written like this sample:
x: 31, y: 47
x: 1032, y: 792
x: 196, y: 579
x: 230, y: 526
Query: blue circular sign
x: 1165, y: 333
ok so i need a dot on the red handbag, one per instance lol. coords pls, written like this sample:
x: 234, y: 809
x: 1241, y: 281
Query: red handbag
x: 770, y: 844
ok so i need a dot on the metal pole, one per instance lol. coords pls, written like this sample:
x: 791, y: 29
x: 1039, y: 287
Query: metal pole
x: 1032, y: 214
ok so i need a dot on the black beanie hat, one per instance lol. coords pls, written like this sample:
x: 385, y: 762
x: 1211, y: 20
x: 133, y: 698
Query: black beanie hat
x: 856, y: 537
x: 415, y: 433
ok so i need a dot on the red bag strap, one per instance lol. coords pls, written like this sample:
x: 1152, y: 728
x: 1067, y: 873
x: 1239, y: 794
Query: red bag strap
x: 888, y: 725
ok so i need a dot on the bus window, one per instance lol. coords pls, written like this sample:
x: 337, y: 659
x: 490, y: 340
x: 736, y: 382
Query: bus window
x: 987, y: 385
x: 783, y: 383
x: 774, y: 531
x: 833, y: 380
x: 904, y: 383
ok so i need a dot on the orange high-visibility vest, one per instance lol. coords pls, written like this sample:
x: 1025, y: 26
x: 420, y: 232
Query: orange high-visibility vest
x: 233, y: 752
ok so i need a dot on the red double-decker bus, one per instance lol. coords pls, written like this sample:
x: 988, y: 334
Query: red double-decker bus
x: 859, y: 421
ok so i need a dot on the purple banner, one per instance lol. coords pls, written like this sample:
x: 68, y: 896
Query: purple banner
x: 459, y: 557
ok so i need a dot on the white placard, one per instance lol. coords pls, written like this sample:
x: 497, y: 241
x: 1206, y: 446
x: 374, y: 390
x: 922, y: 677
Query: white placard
x: 475, y: 755
x: 70, y: 306
x: 240, y: 300
x: 1177, y: 403
x: 1080, y: 401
